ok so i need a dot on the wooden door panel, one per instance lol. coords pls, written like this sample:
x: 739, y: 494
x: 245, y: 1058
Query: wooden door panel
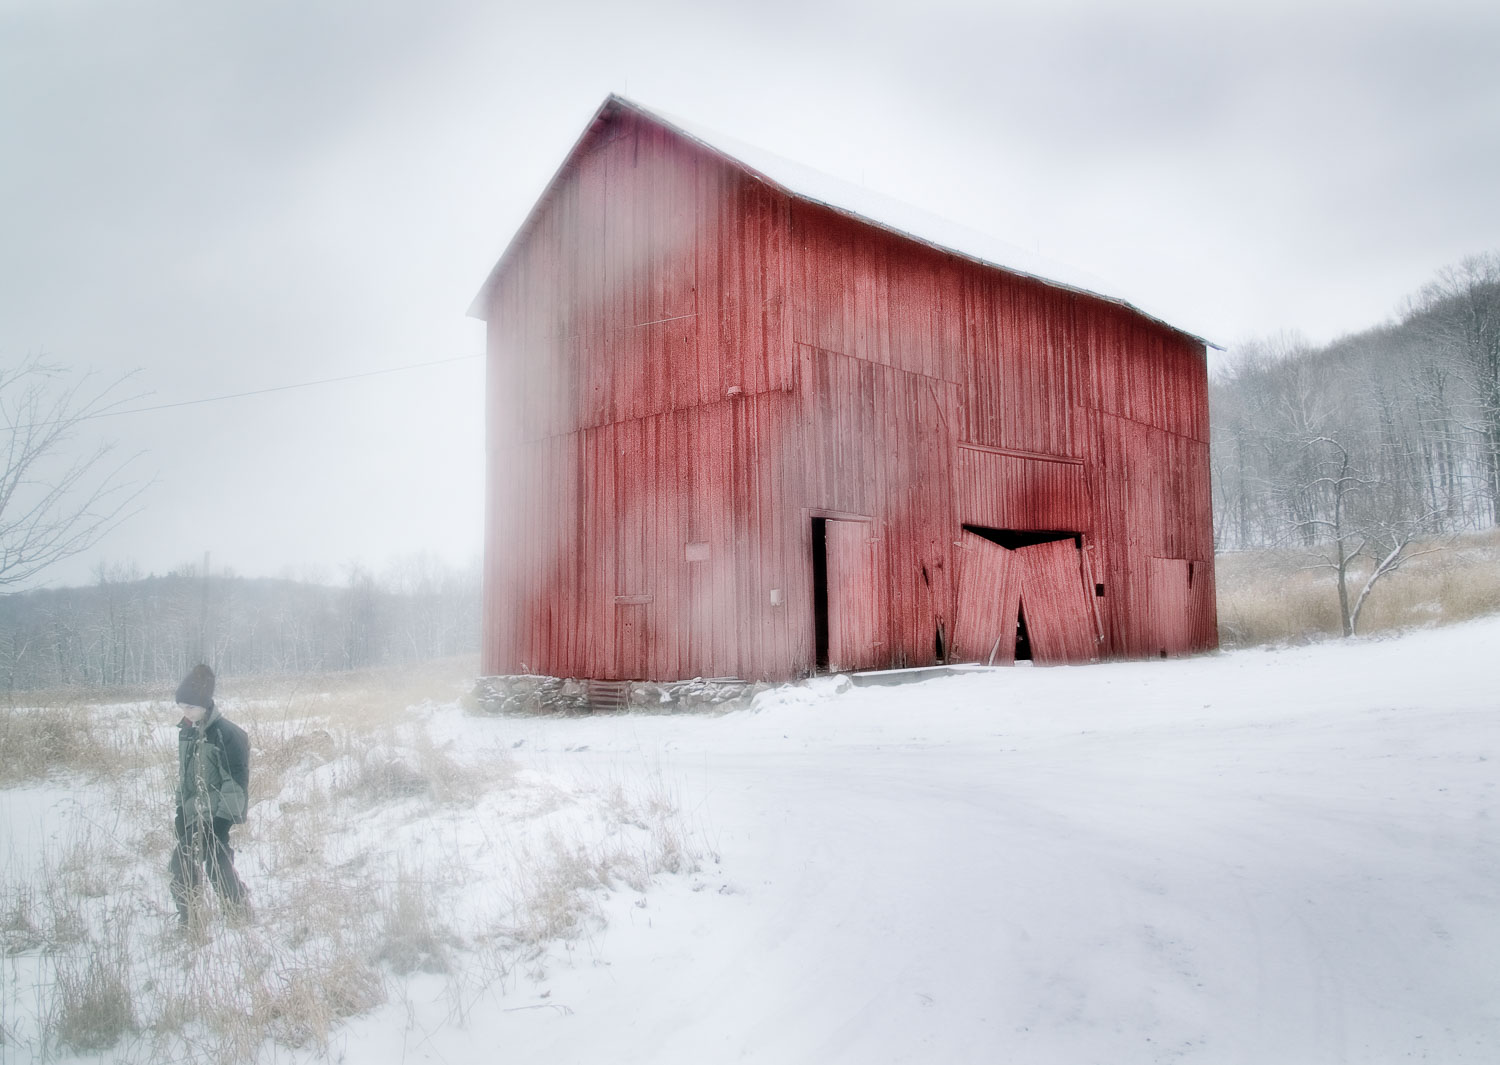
x: 989, y: 600
x: 854, y: 622
x: 1171, y: 605
x: 1059, y: 616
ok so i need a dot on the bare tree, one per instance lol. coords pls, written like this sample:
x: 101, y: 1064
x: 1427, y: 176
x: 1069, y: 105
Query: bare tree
x: 1357, y: 517
x: 55, y: 504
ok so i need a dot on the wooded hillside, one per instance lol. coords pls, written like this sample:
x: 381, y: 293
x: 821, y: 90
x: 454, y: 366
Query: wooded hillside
x: 127, y: 630
x: 1394, y: 428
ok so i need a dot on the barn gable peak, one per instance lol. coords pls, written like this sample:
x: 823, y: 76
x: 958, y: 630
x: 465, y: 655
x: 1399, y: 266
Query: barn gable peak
x: 856, y: 202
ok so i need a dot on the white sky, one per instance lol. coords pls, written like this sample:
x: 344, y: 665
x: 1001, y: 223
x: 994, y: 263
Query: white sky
x: 235, y: 197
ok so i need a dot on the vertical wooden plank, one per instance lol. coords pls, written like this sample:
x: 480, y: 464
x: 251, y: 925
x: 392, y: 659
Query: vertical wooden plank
x: 776, y: 327
x: 712, y: 224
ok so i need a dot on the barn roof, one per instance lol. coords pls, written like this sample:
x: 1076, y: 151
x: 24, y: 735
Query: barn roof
x: 854, y: 201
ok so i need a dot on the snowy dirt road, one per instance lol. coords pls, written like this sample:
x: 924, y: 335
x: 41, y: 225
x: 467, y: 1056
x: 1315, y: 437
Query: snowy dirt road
x: 1286, y: 856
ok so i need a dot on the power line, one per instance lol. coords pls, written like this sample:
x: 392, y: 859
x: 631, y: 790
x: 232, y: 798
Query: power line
x: 281, y: 388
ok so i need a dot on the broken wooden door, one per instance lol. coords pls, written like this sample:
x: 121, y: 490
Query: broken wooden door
x: 989, y: 603
x: 1059, y: 616
x: 1045, y: 582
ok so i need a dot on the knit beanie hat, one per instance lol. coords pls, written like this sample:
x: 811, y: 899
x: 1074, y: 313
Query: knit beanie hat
x: 197, y: 689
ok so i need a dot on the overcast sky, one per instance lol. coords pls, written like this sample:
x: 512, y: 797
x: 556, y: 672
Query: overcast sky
x: 233, y: 197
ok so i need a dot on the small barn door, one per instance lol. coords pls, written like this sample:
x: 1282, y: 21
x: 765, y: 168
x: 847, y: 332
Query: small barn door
x: 632, y: 638
x: 1179, y: 593
x: 849, y: 614
x: 1033, y: 596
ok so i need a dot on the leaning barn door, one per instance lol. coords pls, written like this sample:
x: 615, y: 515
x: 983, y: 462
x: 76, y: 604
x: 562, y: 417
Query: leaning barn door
x: 1042, y: 582
x: 989, y: 602
x: 1059, y: 616
x: 853, y: 595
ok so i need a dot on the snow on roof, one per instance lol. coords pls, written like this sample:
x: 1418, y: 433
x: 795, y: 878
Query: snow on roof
x: 904, y: 219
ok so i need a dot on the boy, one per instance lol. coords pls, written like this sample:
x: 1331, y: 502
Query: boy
x: 213, y: 793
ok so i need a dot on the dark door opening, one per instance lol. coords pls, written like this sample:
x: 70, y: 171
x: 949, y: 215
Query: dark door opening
x: 1015, y: 539
x: 820, y: 591
x: 848, y: 622
x: 1023, y: 639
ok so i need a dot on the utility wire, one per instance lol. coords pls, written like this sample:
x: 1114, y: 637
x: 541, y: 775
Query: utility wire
x: 280, y: 388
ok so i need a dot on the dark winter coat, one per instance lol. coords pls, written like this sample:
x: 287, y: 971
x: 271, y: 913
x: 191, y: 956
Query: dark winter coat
x: 213, y: 760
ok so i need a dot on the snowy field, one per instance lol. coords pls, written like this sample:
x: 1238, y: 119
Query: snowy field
x: 1285, y: 856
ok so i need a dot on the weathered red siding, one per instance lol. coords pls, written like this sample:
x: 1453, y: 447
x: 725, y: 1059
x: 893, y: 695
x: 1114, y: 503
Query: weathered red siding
x: 694, y: 376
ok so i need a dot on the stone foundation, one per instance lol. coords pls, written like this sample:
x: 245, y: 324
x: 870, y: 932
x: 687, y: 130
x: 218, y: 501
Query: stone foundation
x: 555, y: 695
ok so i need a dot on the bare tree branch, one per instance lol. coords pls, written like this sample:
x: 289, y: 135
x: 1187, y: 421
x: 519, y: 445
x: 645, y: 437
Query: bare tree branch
x: 55, y: 503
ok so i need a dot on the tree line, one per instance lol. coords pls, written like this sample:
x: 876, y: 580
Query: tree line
x: 131, y: 630
x: 1365, y: 449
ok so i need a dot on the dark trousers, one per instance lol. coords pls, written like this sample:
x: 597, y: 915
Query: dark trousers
x: 200, y: 848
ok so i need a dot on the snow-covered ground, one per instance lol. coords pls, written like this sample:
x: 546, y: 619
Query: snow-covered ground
x: 1284, y: 856
x: 1271, y: 856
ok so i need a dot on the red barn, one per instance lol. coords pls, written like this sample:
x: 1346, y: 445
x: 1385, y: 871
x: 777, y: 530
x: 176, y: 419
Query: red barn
x: 745, y: 421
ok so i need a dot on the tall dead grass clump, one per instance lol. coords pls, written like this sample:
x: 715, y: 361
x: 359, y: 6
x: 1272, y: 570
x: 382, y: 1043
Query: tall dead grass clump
x: 415, y: 767
x: 38, y: 741
x: 21, y: 927
x: 558, y: 887
x: 412, y: 937
x: 300, y: 1006
x: 94, y: 1004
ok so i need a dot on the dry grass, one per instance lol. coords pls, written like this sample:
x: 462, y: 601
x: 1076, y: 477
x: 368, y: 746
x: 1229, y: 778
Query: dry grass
x: 368, y: 695
x: 64, y: 730
x: 1269, y: 597
x: 37, y: 741
x: 412, y: 937
x: 365, y: 842
x: 95, y: 1000
x: 559, y: 883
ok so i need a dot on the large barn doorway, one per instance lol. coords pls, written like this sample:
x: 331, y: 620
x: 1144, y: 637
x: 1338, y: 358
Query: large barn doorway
x: 846, y: 599
x: 1023, y: 594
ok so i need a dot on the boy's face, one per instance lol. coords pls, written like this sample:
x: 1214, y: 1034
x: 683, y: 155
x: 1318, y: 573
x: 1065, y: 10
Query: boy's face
x: 192, y: 713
